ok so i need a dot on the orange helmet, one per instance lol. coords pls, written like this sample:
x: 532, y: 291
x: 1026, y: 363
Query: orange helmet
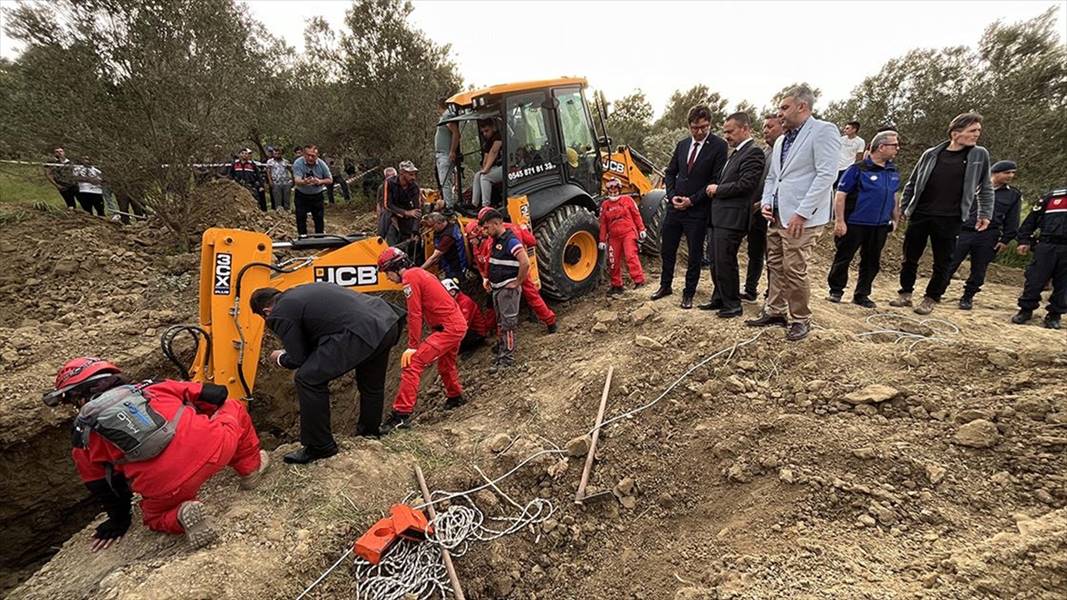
x: 393, y: 259
x: 76, y: 372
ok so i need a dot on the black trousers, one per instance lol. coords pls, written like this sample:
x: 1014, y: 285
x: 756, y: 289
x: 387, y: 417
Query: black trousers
x: 671, y: 233
x: 757, y: 252
x: 725, y: 274
x: 869, y: 241
x: 1050, y: 261
x: 70, y: 196
x: 330, y: 360
x: 981, y: 247
x: 308, y: 203
x: 90, y: 202
x: 941, y: 232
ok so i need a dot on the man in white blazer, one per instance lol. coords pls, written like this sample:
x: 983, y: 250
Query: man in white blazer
x: 796, y: 201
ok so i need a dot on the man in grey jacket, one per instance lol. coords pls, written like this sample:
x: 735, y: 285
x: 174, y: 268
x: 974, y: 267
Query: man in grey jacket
x: 796, y: 202
x: 937, y: 199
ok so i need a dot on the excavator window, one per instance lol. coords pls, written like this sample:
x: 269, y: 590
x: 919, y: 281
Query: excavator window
x: 581, y: 160
x: 531, y: 146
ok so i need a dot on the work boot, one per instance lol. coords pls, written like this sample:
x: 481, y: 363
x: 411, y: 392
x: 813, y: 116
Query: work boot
x: 966, y: 303
x: 1051, y: 321
x: 926, y: 306
x: 396, y: 421
x: 552, y: 328
x: 615, y: 290
x: 305, y: 455
x: 1022, y: 316
x: 639, y: 284
x: 251, y: 480
x: 454, y: 402
x: 835, y: 297
x: 194, y: 520
x: 864, y: 302
x: 901, y: 301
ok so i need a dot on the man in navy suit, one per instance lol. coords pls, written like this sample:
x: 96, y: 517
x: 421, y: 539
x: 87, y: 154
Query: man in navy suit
x: 697, y: 162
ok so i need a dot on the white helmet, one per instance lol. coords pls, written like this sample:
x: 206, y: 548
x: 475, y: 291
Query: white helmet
x: 451, y: 285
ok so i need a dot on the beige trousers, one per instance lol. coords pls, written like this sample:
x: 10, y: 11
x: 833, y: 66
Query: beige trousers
x: 787, y: 271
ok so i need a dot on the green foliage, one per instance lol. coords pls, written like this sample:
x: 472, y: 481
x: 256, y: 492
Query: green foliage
x: 630, y: 120
x: 379, y: 80
x: 26, y: 185
x: 1016, y: 78
x: 680, y: 102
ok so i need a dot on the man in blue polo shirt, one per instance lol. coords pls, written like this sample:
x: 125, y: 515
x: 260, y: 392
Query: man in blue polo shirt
x: 311, y: 177
x: 865, y: 212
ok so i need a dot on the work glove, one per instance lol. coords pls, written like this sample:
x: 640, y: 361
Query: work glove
x: 642, y: 236
x: 115, y: 499
x: 405, y: 358
x: 602, y: 246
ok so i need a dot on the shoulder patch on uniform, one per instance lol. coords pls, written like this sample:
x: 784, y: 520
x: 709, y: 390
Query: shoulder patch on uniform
x: 407, y: 291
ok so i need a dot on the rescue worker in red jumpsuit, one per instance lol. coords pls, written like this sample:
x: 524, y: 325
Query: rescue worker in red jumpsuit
x: 480, y: 323
x: 621, y: 228
x: 427, y: 300
x: 530, y: 292
x: 210, y: 432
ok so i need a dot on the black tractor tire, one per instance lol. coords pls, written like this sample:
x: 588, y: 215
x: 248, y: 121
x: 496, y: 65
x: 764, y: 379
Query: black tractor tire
x: 567, y: 223
x: 654, y: 227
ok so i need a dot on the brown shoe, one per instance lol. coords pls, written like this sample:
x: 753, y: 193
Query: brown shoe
x: 926, y: 306
x: 901, y: 301
x: 797, y: 331
x: 765, y: 320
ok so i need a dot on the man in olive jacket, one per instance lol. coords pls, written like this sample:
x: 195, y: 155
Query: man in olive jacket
x: 937, y: 199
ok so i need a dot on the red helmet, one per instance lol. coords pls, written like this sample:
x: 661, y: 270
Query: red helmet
x: 484, y: 211
x: 393, y: 259
x: 76, y: 372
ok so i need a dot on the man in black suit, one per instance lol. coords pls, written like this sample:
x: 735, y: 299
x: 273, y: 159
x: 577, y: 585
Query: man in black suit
x: 697, y: 161
x: 731, y: 206
x: 757, y: 225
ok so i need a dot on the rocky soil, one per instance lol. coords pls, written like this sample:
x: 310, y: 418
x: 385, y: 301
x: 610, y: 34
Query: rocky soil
x: 844, y: 466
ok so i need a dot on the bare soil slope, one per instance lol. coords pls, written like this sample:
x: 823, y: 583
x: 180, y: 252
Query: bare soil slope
x: 774, y: 471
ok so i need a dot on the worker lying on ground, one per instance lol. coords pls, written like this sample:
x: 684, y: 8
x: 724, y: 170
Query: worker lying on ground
x: 327, y: 331
x: 479, y: 322
x: 449, y: 250
x: 160, y: 440
x: 427, y: 300
x: 530, y: 292
x: 621, y: 228
x: 508, y: 268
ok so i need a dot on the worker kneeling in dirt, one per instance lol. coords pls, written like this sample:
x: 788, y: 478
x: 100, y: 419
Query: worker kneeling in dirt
x: 161, y: 440
x: 426, y: 299
x: 327, y: 331
x: 479, y: 322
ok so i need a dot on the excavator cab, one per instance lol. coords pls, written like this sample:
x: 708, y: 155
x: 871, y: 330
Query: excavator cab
x: 553, y: 158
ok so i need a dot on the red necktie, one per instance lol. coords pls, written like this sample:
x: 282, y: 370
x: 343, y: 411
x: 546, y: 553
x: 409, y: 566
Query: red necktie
x: 692, y: 157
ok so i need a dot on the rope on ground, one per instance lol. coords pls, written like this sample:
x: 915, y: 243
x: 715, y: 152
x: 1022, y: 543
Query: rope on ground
x: 416, y: 570
x: 893, y: 324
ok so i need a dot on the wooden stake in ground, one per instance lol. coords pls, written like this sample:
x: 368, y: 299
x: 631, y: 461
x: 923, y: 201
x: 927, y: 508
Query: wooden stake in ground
x: 579, y: 497
x: 452, y: 577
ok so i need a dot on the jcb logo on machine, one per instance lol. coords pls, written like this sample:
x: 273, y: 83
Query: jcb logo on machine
x: 348, y: 275
x: 616, y: 166
x: 223, y: 273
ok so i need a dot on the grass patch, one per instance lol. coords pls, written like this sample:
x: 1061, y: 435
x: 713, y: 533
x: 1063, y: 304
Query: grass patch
x: 25, y: 184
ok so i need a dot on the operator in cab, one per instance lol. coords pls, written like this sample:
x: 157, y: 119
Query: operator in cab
x: 160, y: 440
x: 327, y: 331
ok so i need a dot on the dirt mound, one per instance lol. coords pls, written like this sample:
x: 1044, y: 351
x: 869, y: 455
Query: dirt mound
x: 74, y: 285
x: 774, y: 470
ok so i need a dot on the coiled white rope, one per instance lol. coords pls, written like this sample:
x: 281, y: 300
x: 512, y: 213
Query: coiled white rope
x: 910, y: 337
x: 416, y: 570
